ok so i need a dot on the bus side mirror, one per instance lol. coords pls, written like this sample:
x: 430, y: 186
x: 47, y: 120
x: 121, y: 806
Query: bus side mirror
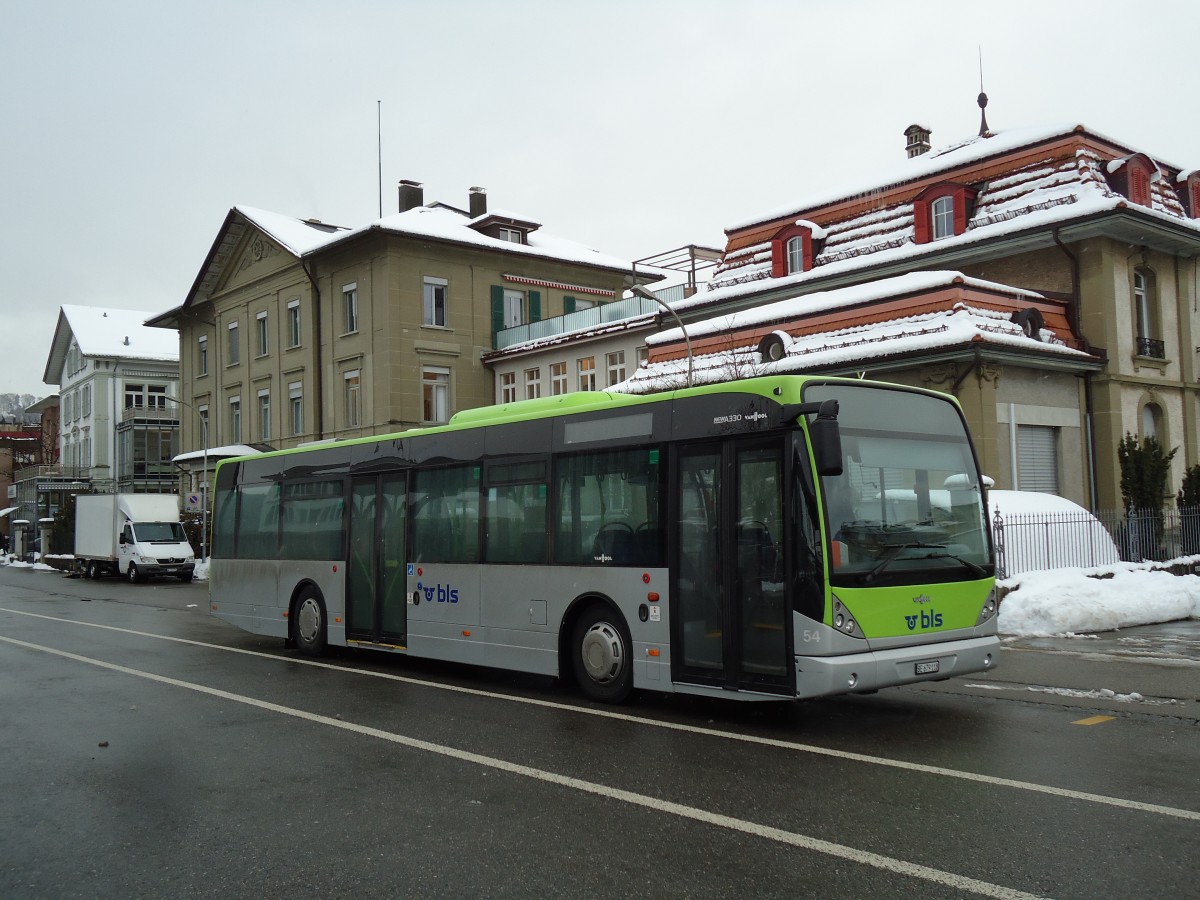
x: 826, y: 440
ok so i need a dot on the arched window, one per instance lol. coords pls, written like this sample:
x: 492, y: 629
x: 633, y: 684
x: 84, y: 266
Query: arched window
x: 943, y: 217
x: 1152, y: 421
x: 795, y: 254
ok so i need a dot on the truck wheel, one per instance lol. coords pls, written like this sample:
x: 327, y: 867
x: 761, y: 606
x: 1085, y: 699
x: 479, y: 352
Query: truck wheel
x: 186, y: 579
x: 134, y: 575
x: 308, y: 623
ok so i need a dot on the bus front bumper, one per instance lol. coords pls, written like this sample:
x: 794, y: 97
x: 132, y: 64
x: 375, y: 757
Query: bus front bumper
x: 819, y: 676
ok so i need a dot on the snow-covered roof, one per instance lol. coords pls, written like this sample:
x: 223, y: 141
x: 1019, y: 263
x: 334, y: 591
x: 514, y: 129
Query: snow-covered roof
x: 111, y: 333
x: 1037, y: 191
x: 964, y: 324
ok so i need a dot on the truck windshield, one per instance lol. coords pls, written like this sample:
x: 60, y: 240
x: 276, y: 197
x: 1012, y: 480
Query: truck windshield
x: 160, y: 532
x: 908, y: 507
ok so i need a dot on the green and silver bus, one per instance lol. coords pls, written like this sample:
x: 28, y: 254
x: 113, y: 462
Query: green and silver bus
x: 777, y: 537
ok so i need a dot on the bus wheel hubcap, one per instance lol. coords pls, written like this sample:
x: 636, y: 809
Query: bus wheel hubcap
x: 603, y: 655
x: 309, y: 619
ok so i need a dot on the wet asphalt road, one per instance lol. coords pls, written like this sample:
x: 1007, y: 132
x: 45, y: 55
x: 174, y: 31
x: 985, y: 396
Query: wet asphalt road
x: 152, y: 751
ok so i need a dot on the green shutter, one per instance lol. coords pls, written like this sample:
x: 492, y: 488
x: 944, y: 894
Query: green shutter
x: 568, y: 304
x: 497, y: 311
x: 535, y: 306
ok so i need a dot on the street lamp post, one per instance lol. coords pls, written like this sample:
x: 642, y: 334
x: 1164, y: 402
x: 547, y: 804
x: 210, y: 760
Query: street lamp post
x: 639, y: 290
x: 204, y: 484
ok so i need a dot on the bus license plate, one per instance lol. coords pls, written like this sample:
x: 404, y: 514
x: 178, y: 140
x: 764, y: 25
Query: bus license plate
x: 928, y: 668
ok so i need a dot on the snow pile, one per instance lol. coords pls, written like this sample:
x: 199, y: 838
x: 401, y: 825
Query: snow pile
x: 1067, y: 601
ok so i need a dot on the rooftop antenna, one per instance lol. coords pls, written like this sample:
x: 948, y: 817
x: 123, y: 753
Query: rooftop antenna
x: 983, y: 125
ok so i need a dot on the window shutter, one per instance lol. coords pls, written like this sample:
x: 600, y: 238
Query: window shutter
x: 568, y: 304
x: 497, y: 311
x: 1037, y: 458
x: 921, y: 221
x: 778, y: 258
x: 535, y: 306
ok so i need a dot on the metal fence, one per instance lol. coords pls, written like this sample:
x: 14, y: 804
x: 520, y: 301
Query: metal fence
x: 1029, y: 542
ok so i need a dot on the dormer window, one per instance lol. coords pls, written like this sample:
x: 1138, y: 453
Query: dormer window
x: 512, y: 235
x: 1131, y: 176
x: 795, y: 255
x: 794, y: 248
x: 505, y: 227
x: 1189, y: 192
x: 942, y: 211
x: 942, y: 215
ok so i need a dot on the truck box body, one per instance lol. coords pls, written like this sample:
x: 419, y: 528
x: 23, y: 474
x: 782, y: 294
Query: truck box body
x: 137, y: 535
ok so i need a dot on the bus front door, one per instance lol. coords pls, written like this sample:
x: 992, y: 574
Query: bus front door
x: 376, y: 607
x: 731, y: 618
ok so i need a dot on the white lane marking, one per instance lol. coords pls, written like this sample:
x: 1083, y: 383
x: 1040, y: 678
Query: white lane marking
x: 992, y: 780
x: 840, y: 851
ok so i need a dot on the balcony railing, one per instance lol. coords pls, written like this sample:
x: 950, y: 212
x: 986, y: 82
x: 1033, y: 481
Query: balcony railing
x: 130, y: 413
x: 1151, y: 348
x: 591, y: 317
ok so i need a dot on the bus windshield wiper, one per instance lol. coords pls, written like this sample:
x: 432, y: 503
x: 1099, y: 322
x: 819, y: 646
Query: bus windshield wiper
x: 894, y: 551
x: 897, y: 549
x: 977, y: 571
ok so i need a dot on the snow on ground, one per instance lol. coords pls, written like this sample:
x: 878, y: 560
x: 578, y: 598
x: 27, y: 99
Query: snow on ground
x: 1068, y: 601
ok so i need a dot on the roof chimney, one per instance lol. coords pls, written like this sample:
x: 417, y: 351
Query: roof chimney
x: 412, y: 195
x: 478, y: 197
x: 918, y: 140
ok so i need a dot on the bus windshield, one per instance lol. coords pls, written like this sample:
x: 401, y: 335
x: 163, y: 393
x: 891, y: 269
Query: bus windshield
x: 908, y: 506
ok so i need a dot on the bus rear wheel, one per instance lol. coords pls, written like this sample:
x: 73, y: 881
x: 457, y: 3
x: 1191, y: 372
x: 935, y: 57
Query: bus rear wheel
x: 601, y: 655
x: 308, y: 623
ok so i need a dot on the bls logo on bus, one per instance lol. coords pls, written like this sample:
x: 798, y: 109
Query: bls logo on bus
x: 439, y: 592
x: 928, y: 619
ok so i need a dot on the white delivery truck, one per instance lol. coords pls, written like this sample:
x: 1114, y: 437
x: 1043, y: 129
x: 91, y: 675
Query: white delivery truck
x: 134, y: 535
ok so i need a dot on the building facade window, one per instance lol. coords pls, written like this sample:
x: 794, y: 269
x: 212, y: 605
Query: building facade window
x: 135, y: 398
x: 296, y: 407
x: 434, y: 301
x: 261, y: 327
x: 235, y: 420
x: 233, y: 356
x: 435, y: 394
x: 508, y: 387
x: 293, y: 313
x: 156, y: 396
x: 1152, y: 421
x: 264, y: 415
x: 587, y: 373
x: 942, y: 217
x: 353, y: 398
x: 514, y: 308
x: 1037, y: 458
x: 202, y: 355
x: 558, y: 378
x: 1145, y: 311
x: 533, y: 383
x: 615, y: 363
x: 86, y: 400
x: 349, y: 308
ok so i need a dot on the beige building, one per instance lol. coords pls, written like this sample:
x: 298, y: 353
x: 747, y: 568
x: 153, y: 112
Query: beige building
x: 298, y: 331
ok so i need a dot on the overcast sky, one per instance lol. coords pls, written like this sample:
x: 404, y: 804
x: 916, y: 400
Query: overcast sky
x: 128, y: 129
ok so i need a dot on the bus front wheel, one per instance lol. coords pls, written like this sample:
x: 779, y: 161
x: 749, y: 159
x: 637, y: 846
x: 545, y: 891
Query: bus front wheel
x: 308, y: 623
x: 601, y: 655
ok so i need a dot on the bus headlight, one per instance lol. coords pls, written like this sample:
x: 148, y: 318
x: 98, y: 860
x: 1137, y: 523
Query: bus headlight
x: 989, y: 608
x: 843, y: 621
